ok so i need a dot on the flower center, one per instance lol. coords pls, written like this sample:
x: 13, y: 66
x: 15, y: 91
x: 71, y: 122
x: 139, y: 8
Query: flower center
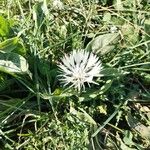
x: 79, y: 75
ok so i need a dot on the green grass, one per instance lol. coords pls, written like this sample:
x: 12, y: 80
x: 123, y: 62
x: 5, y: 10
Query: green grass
x: 37, y: 112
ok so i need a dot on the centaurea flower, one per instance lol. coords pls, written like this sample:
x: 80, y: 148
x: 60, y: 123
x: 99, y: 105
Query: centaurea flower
x: 78, y: 68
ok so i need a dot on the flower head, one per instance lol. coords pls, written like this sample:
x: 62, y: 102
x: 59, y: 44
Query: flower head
x: 78, y: 68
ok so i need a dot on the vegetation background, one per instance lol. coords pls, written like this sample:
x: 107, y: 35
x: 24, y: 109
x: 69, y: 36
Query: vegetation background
x: 37, y: 112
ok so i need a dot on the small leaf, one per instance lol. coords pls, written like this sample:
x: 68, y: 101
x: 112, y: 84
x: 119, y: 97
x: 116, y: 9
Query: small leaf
x: 82, y: 115
x: 125, y: 147
x: 92, y: 93
x: 13, y: 63
x: 103, y: 43
x: 43, y: 67
x: 111, y: 72
x: 4, y: 27
x: 102, y: 90
x: 128, y: 138
x: 106, y: 86
x: 9, y: 44
x: 20, y: 49
x: 39, y: 12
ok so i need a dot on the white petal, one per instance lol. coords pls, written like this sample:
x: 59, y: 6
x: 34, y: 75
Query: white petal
x: 79, y: 67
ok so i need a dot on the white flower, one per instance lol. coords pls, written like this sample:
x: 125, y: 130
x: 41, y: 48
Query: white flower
x: 78, y: 68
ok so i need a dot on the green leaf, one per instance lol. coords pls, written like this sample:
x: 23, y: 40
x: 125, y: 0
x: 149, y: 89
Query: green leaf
x: 4, y: 27
x: 13, y: 63
x: 9, y: 44
x: 128, y: 140
x: 106, y: 86
x: 40, y: 10
x: 82, y: 115
x: 102, y: 90
x: 111, y: 72
x: 20, y: 49
x: 125, y: 147
x: 13, y: 45
x: 103, y: 43
x: 92, y: 93
x: 43, y: 67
